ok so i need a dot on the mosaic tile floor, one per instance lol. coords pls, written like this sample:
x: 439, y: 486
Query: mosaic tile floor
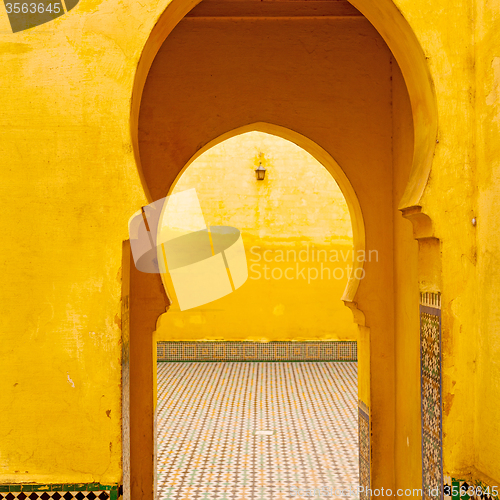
x: 208, y: 413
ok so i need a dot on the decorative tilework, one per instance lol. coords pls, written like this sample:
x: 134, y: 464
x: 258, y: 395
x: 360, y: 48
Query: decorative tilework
x: 364, y: 448
x: 431, y: 407
x: 363, y: 406
x: 207, y: 415
x: 257, y: 351
x: 82, y: 491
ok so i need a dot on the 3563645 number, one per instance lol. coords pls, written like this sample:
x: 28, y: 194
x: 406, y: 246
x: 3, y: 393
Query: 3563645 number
x: 32, y: 8
x: 471, y: 491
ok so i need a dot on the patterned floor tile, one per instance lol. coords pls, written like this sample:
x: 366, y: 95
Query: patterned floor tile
x: 208, y: 413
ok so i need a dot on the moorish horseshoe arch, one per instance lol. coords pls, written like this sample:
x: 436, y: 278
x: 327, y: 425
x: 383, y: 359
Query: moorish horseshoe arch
x: 401, y: 40
x: 388, y: 20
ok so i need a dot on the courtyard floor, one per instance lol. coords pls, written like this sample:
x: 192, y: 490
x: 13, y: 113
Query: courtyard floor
x: 209, y: 413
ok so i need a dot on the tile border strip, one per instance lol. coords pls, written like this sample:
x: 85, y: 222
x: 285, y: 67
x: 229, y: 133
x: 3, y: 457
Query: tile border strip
x: 364, y: 407
x: 431, y: 395
x: 338, y: 350
x: 81, y: 490
x: 430, y: 299
x: 364, y: 449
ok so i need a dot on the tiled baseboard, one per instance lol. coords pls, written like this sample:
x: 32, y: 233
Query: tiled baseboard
x: 364, y: 448
x: 257, y: 351
x: 91, y: 491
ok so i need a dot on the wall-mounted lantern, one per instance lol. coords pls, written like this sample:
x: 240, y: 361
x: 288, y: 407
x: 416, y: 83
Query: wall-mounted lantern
x: 260, y: 172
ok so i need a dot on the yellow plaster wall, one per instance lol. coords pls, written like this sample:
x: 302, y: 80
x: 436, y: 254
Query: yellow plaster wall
x: 298, y: 208
x: 68, y: 185
x: 446, y: 33
x: 408, y: 463
x: 460, y: 43
x: 485, y: 258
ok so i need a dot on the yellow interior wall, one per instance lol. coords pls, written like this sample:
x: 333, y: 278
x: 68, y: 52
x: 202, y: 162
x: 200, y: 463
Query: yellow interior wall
x: 69, y: 189
x: 70, y: 181
x: 298, y: 208
x: 407, y: 337
x: 69, y: 185
x: 458, y: 60
x: 485, y: 261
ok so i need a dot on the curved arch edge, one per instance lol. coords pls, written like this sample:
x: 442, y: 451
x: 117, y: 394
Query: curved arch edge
x: 389, y: 21
x: 323, y: 157
x: 165, y: 23
x: 397, y: 32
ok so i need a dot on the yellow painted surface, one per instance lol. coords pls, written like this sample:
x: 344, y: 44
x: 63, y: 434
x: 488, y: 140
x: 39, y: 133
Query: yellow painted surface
x: 297, y: 234
x: 69, y: 185
x: 70, y: 181
x: 408, y: 463
x: 486, y: 245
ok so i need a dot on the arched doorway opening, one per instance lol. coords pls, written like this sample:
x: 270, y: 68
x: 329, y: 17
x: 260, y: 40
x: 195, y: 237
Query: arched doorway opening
x: 297, y: 233
x: 331, y: 78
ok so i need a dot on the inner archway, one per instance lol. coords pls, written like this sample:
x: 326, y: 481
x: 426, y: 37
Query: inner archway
x: 315, y: 155
x: 297, y: 232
